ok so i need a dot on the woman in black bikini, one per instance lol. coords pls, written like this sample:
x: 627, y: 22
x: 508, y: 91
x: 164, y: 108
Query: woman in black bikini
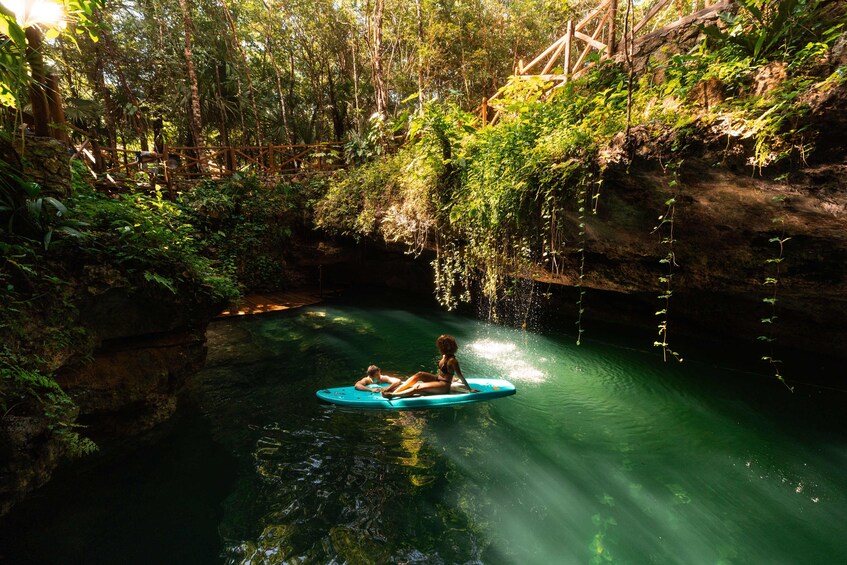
x: 427, y: 383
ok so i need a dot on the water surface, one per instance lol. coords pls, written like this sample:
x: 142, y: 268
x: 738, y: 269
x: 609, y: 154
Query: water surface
x: 605, y: 455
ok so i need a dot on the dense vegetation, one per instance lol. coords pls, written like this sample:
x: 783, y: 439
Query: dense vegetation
x: 251, y: 72
x: 493, y: 201
x: 216, y: 241
x: 512, y: 198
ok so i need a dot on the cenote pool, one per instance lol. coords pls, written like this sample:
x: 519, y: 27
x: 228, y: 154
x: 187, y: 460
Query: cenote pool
x: 605, y: 455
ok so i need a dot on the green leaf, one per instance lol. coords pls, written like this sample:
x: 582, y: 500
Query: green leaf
x: 10, y: 28
x: 56, y: 204
x: 159, y: 279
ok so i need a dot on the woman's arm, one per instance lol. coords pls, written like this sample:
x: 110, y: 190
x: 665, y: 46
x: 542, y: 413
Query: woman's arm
x: 459, y: 374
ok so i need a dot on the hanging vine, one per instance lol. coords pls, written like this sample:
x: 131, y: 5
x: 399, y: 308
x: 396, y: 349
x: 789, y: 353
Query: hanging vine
x: 582, y: 201
x: 771, y: 299
x: 666, y: 228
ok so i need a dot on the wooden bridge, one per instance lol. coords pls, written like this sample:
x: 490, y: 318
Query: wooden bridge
x: 173, y: 165
x: 600, y: 31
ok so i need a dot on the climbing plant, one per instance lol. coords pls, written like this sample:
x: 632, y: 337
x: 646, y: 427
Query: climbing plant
x: 507, y: 200
x: 666, y: 230
x: 771, y: 282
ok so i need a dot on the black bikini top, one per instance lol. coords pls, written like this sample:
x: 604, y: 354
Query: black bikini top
x: 444, y: 367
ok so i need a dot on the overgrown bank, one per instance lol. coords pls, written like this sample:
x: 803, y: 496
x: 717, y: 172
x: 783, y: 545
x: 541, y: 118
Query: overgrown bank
x: 106, y: 299
x: 713, y: 173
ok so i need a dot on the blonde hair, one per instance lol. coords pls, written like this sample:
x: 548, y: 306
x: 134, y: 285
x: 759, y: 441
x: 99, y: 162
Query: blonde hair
x: 447, y: 344
x: 372, y: 370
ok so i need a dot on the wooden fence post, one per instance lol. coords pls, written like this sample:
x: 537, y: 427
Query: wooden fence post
x: 613, y: 45
x: 568, y: 42
x: 484, y: 111
x: 168, y: 180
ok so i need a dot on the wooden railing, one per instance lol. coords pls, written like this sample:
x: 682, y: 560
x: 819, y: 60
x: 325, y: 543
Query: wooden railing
x: 113, y: 165
x: 597, y: 31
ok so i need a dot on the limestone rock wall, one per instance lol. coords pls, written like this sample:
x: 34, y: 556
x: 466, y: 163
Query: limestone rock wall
x: 131, y: 384
x: 45, y: 161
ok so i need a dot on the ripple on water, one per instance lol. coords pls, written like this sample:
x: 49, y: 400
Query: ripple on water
x: 343, y: 477
x: 602, y: 448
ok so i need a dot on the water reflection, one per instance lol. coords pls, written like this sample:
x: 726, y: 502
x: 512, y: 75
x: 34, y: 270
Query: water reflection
x: 605, y: 455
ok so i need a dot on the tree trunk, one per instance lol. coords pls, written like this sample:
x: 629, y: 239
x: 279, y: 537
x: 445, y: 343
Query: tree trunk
x: 138, y: 122
x: 335, y: 110
x: 57, y: 111
x: 420, y: 55
x: 109, y: 114
x: 282, y: 108
x: 158, y: 134
x: 223, y: 127
x: 358, y: 112
x: 195, y: 118
x: 37, y: 94
x: 375, y: 43
x: 257, y: 123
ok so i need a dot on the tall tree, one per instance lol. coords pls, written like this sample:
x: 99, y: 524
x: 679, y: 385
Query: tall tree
x: 257, y: 124
x: 270, y: 48
x: 196, y: 119
x: 375, y: 29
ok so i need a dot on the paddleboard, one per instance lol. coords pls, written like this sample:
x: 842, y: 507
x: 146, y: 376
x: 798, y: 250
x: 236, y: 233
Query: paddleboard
x: 349, y: 396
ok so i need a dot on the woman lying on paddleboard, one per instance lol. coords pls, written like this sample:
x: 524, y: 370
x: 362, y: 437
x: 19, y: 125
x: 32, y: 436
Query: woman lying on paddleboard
x: 427, y: 383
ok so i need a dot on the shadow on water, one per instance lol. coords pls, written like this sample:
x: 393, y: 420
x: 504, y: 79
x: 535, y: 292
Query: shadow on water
x: 157, y: 501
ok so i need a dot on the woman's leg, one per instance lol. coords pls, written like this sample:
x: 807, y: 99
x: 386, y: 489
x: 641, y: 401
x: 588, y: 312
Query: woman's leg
x: 393, y: 384
x: 423, y: 387
x: 401, y: 385
x: 410, y: 383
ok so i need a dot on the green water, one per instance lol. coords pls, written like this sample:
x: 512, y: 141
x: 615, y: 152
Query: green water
x: 605, y: 455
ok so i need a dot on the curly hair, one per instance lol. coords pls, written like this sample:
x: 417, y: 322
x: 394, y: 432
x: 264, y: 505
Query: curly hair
x: 372, y: 370
x: 447, y: 344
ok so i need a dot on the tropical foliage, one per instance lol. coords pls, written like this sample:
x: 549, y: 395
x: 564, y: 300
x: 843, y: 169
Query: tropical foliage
x: 512, y: 199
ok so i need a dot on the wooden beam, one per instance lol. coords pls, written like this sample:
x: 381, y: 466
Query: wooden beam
x: 714, y: 8
x: 544, y: 77
x: 649, y: 16
x: 582, y: 71
x: 613, y: 13
x: 582, y: 23
x: 590, y: 40
x: 561, y: 42
x: 568, y: 50
x: 523, y: 69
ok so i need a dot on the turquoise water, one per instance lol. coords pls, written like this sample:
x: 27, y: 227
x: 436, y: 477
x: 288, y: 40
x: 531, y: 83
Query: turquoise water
x: 605, y: 455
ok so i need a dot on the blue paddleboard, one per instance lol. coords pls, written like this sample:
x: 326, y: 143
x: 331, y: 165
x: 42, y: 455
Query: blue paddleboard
x: 349, y: 396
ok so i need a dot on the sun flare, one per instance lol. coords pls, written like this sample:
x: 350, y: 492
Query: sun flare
x: 31, y: 12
